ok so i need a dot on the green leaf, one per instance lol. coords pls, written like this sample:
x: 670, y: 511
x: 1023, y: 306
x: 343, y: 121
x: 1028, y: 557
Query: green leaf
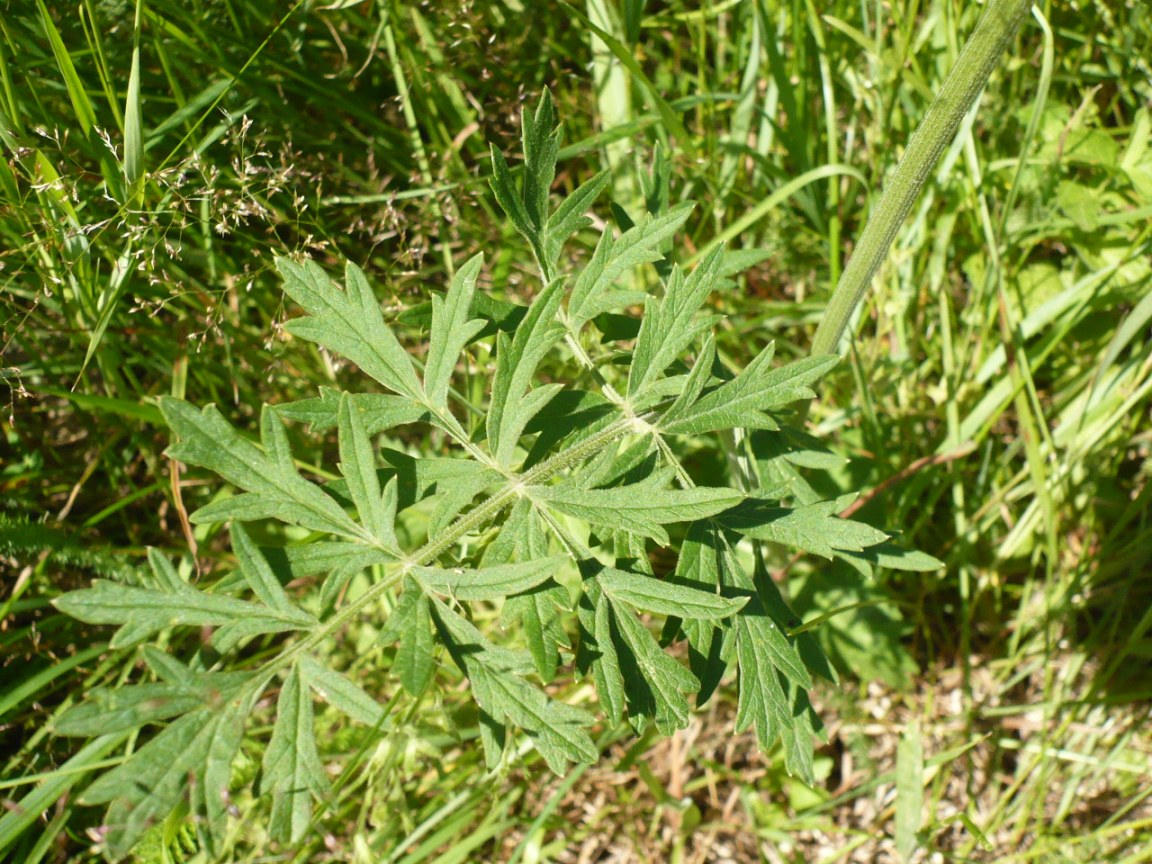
x: 670, y: 326
x: 451, y: 331
x: 192, y: 756
x: 508, y: 197
x: 761, y: 702
x: 107, y: 709
x: 891, y: 557
x: 538, y: 611
x: 209, y: 441
x: 291, y: 766
x: 666, y: 598
x: 569, y: 217
x: 143, y: 611
x: 797, y: 737
x: 349, y: 322
x: 813, y: 528
x: 378, y: 412
x: 606, y: 672
x: 488, y: 583
x: 638, y: 508
x: 559, y: 731
x: 259, y: 574
x: 741, y: 402
x: 411, y: 624
x: 764, y: 618
x: 658, y: 683
x: 512, y: 406
x: 540, y: 136
x: 358, y: 465
x: 592, y: 292
x: 341, y: 693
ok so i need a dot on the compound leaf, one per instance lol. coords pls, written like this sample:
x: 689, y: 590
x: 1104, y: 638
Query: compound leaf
x: 488, y: 583
x: 143, y: 790
x: 358, y: 465
x: 349, y: 323
x: 341, y: 692
x: 668, y: 327
x: 451, y: 331
x: 666, y: 598
x: 743, y: 401
x: 638, y: 508
x: 569, y: 217
x: 592, y: 292
x: 516, y: 362
x: 813, y: 528
x: 538, y: 611
x: 209, y: 441
x: 559, y: 731
x: 291, y: 766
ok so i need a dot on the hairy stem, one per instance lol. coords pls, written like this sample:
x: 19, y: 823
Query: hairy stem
x: 994, y: 32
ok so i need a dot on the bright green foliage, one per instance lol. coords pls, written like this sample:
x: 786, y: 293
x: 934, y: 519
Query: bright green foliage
x: 548, y: 508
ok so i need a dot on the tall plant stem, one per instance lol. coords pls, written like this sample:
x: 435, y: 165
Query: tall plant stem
x: 994, y: 32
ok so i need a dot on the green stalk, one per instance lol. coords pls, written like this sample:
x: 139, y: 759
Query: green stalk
x: 994, y: 32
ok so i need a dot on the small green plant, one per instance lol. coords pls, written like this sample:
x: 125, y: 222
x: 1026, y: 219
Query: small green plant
x: 554, y: 493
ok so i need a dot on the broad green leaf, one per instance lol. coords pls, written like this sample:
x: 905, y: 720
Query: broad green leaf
x: 512, y: 405
x: 761, y: 702
x: 559, y: 731
x: 488, y: 583
x: 666, y: 598
x: 638, y: 508
x: 107, y: 709
x: 342, y: 693
x: 193, y: 756
x: 349, y: 322
x: 411, y: 624
x: 540, y: 137
x: 891, y: 557
x: 538, y: 611
x: 671, y: 325
x: 508, y: 197
x: 451, y: 331
x: 209, y: 441
x: 812, y: 528
x: 379, y: 412
x: 698, y: 379
x: 291, y: 765
x: 143, y: 611
x: 658, y: 688
x: 598, y: 641
x: 592, y: 292
x: 764, y: 618
x: 358, y: 465
x: 741, y: 402
x: 259, y: 574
